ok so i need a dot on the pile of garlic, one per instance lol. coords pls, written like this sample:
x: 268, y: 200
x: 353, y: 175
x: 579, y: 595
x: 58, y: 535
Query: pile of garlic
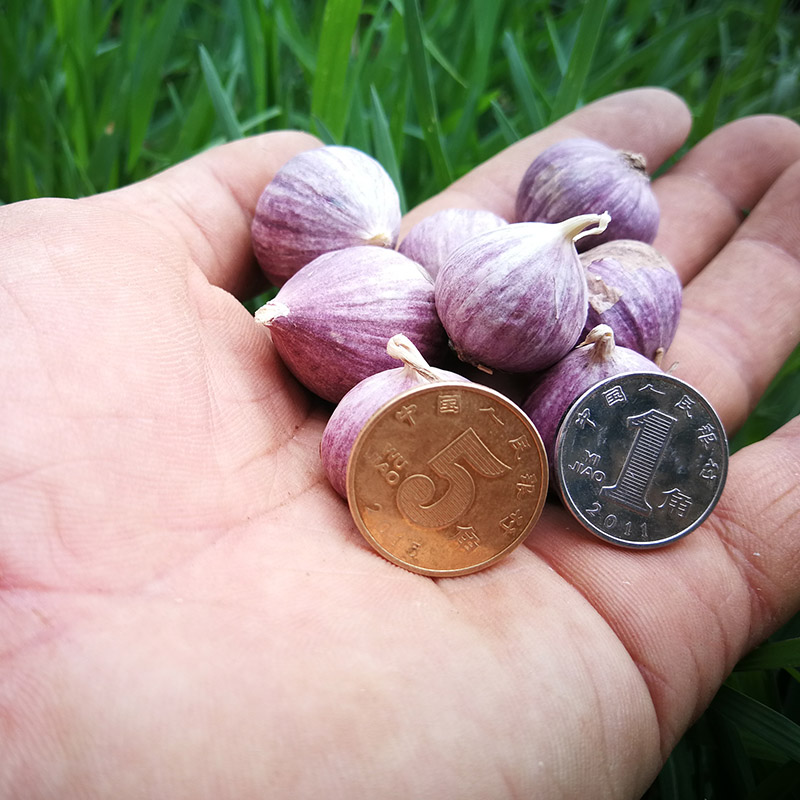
x: 511, y: 297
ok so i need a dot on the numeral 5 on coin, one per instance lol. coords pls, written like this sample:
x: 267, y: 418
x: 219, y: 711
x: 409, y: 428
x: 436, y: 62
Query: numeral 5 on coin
x: 415, y: 494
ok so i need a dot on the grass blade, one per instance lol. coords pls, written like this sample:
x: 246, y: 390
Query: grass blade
x: 150, y: 40
x: 366, y: 53
x: 485, y: 18
x: 219, y: 97
x: 290, y: 35
x: 733, y: 769
x: 359, y: 134
x: 384, y: 146
x: 779, y: 732
x: 75, y: 176
x: 504, y: 124
x: 439, y: 57
x: 434, y: 51
x: 707, y: 118
x: 689, y: 27
x: 322, y: 131
x: 102, y: 167
x: 21, y: 182
x: 779, y: 404
x: 524, y: 83
x: 773, y: 655
x: 258, y: 120
x: 252, y: 33
x: 330, y: 91
x: 555, y: 43
x: 676, y: 779
x: 782, y: 784
x: 590, y: 30
x: 424, y: 96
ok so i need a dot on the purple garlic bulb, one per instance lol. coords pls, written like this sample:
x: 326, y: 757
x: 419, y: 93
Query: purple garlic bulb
x: 578, y: 176
x: 515, y: 298
x: 432, y: 239
x: 596, y: 358
x: 330, y: 321
x: 365, y: 398
x: 636, y: 291
x: 324, y: 199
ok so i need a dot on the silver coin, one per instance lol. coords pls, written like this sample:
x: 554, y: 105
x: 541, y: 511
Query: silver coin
x: 641, y: 459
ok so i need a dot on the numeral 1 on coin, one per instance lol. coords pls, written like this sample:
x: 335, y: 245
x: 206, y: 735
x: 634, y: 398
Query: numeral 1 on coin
x: 417, y: 491
x: 653, y: 431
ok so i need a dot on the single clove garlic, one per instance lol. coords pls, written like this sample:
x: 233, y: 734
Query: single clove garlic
x: 321, y: 200
x: 433, y: 238
x: 330, y: 321
x: 577, y: 176
x: 364, y: 399
x: 515, y: 298
x: 596, y: 358
x: 635, y: 290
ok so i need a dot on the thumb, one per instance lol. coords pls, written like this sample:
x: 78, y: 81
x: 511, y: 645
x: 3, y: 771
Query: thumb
x: 207, y: 203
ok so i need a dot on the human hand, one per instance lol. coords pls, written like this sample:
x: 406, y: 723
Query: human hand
x: 188, y: 610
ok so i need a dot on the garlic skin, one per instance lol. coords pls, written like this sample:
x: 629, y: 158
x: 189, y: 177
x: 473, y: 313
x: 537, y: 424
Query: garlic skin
x: 331, y: 320
x: 515, y: 298
x: 597, y: 357
x: 578, y: 176
x: 634, y: 289
x: 365, y: 398
x: 434, y: 238
x: 321, y: 200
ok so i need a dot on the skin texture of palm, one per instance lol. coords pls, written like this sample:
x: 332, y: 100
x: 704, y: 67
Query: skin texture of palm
x: 186, y: 608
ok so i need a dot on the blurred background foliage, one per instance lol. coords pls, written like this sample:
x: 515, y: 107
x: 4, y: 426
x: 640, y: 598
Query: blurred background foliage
x: 99, y: 93
x: 96, y: 94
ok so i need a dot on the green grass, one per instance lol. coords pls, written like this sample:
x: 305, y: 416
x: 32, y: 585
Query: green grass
x: 94, y: 95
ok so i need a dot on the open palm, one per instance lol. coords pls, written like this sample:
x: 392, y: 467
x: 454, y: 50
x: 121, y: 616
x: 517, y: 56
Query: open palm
x: 187, y: 608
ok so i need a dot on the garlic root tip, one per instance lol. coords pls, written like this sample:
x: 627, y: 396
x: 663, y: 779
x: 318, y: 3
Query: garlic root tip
x: 596, y: 334
x: 382, y: 239
x: 403, y: 349
x: 270, y: 312
x: 576, y: 227
x: 602, y: 339
x: 635, y: 161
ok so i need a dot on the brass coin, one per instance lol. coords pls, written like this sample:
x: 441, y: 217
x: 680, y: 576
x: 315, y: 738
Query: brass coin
x: 447, y: 478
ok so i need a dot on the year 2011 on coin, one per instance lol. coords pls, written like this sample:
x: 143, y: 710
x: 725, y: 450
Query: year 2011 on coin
x: 447, y: 478
x: 641, y: 459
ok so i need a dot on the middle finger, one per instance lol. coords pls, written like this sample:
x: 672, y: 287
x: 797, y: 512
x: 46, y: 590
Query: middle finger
x: 741, y: 314
x: 705, y: 196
